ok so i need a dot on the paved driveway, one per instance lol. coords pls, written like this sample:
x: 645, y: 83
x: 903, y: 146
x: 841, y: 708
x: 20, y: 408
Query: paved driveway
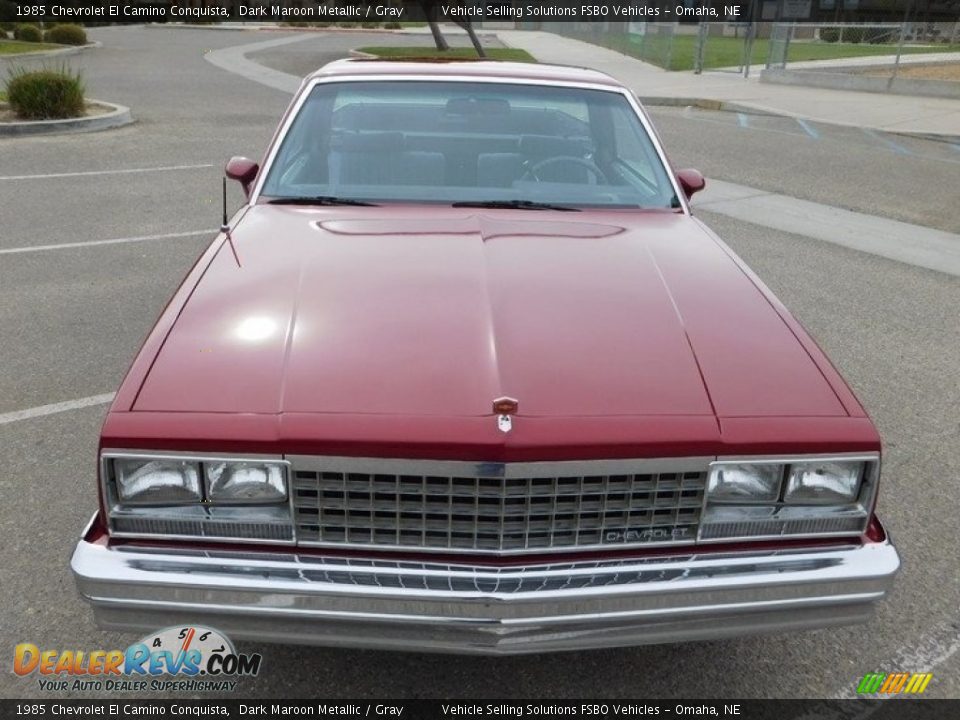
x: 72, y: 317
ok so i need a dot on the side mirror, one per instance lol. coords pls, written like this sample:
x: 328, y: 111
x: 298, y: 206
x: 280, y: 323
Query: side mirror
x: 243, y: 170
x: 692, y: 181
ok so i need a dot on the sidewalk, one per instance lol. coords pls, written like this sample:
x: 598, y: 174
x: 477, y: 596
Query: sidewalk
x: 885, y: 61
x: 926, y: 116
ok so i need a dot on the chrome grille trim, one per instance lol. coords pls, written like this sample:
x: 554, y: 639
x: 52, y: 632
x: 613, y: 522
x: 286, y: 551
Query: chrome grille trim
x: 533, y: 579
x: 496, y: 508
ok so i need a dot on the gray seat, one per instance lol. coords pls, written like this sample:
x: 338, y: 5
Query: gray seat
x: 379, y: 159
x: 420, y: 167
x: 499, y: 169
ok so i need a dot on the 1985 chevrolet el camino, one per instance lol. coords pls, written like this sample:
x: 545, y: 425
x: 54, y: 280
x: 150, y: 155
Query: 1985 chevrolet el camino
x: 464, y: 374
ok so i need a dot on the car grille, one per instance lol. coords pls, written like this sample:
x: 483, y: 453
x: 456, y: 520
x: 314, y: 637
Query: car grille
x: 496, y: 508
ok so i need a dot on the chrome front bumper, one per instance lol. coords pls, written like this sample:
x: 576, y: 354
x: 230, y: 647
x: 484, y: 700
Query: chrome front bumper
x: 298, y: 598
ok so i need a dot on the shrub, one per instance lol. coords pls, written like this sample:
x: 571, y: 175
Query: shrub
x: 3, y: 34
x: 392, y: 25
x: 45, y: 94
x: 876, y: 35
x: 28, y: 33
x: 369, y: 25
x: 853, y: 35
x: 66, y: 35
x: 830, y: 35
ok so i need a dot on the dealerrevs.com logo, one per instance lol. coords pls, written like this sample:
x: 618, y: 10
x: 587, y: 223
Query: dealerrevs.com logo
x: 186, y: 659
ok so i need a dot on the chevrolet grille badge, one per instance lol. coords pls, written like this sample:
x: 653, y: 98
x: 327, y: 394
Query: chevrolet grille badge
x: 504, y: 407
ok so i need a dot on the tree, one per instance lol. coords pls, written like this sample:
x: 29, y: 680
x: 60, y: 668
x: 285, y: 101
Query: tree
x: 430, y: 10
x: 8, y: 11
x: 467, y: 25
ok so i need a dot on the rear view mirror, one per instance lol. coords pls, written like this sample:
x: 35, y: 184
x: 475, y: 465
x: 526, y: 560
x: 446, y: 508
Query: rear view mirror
x: 692, y: 181
x: 243, y: 170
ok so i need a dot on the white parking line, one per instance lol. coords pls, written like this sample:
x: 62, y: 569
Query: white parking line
x: 125, y: 171
x: 54, y: 408
x: 933, y: 649
x: 808, y: 128
x: 114, y: 241
x: 925, y: 655
x: 896, y: 147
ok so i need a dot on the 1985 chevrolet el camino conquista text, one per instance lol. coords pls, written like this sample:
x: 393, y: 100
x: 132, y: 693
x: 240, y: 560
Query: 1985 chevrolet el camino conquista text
x: 464, y: 374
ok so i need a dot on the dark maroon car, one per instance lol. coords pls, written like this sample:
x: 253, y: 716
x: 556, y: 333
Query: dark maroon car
x: 464, y: 374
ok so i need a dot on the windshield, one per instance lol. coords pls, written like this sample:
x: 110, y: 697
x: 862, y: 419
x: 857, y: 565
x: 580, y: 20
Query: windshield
x: 467, y: 142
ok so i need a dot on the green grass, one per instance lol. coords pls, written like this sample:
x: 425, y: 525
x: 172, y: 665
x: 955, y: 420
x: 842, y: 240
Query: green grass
x: 459, y: 53
x: 3, y: 96
x: 677, y: 52
x: 15, y: 47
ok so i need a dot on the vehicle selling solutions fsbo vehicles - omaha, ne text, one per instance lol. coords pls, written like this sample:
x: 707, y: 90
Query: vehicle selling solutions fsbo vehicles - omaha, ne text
x: 464, y: 374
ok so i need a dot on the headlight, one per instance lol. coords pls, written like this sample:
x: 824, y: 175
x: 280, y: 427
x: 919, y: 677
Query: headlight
x: 744, y: 482
x: 789, y: 497
x: 216, y: 498
x: 245, y: 482
x: 826, y: 483
x: 157, y: 482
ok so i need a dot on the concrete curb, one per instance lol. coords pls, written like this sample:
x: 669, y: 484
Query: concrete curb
x: 664, y: 101
x: 43, y: 54
x: 360, y: 55
x: 234, y: 59
x: 252, y: 27
x: 211, y: 26
x: 117, y: 117
x: 286, y: 82
x: 839, y: 80
x: 750, y: 109
x: 449, y: 32
x: 283, y: 28
x: 756, y: 108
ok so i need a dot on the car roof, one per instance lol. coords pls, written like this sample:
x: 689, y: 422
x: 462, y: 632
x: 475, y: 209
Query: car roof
x: 480, y: 69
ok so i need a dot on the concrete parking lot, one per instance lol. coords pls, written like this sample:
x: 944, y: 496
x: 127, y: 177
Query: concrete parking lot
x: 73, y: 310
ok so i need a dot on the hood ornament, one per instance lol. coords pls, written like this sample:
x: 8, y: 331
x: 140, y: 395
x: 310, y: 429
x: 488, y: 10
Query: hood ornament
x: 503, y: 408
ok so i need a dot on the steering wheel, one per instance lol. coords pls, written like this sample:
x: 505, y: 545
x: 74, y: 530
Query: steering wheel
x: 590, y: 166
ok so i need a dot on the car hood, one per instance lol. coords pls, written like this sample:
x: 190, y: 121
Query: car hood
x: 386, y: 311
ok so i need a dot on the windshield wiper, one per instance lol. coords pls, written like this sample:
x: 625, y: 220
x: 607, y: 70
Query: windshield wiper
x: 514, y: 205
x: 319, y: 200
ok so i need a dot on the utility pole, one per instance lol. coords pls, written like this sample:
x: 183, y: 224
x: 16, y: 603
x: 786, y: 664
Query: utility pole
x: 903, y: 35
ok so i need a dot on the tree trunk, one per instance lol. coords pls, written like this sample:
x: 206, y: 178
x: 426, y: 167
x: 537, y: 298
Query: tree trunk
x: 430, y: 11
x: 468, y: 26
x: 438, y: 37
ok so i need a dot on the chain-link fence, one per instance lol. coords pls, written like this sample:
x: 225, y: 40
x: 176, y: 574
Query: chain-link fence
x: 738, y: 47
x: 652, y: 42
x: 884, y: 57
x: 670, y: 45
x: 832, y: 41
